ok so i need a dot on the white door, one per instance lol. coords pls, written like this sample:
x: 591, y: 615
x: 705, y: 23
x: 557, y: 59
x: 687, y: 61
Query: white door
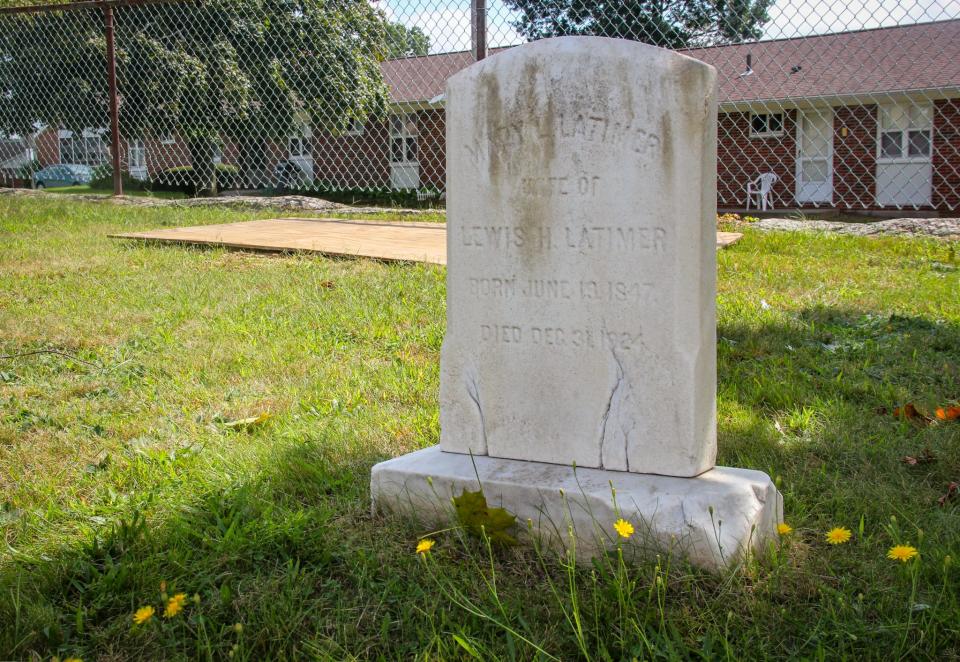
x: 404, y: 162
x: 301, y: 154
x: 137, y: 159
x: 904, y: 167
x: 815, y: 155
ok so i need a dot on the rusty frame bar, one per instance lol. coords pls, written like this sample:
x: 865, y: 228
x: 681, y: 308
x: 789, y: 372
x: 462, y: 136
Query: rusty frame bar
x: 478, y: 29
x: 114, y: 99
x: 86, y: 4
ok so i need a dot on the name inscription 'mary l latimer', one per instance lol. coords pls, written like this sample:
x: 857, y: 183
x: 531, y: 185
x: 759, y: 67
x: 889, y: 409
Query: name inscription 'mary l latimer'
x: 571, y: 126
x: 629, y: 238
x: 591, y: 126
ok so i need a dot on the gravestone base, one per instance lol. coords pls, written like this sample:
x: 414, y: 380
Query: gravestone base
x: 711, y: 519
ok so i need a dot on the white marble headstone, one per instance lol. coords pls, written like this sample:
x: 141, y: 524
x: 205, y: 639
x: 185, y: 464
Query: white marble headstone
x: 581, y: 258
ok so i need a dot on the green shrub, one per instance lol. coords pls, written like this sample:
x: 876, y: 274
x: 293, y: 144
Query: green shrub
x: 103, y: 179
x: 380, y: 195
x: 184, y: 180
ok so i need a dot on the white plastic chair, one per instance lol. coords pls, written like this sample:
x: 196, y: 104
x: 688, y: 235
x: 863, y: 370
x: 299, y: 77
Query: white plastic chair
x: 761, y: 188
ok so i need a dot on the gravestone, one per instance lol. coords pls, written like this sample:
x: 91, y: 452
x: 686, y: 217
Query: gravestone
x: 581, y: 285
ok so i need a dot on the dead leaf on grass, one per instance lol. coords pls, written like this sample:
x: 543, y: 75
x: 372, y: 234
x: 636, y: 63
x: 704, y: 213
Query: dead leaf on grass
x: 952, y: 490
x: 247, y: 423
x: 99, y: 462
x: 910, y: 413
x: 925, y: 457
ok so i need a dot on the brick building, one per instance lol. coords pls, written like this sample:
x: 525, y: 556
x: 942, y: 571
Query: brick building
x: 865, y: 120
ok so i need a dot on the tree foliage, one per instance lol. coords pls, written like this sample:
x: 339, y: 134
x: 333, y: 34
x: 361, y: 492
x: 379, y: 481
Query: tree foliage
x: 667, y: 23
x: 406, y: 42
x: 243, y: 71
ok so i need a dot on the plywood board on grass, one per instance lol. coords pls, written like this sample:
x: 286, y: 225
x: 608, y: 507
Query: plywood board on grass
x: 402, y: 241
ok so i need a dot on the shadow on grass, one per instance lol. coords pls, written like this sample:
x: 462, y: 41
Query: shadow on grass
x: 293, y: 554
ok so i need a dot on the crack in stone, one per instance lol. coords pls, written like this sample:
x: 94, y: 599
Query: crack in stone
x: 606, y: 412
x: 474, y: 393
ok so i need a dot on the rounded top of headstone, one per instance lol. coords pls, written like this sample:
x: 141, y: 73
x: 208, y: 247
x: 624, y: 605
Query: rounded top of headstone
x: 586, y: 48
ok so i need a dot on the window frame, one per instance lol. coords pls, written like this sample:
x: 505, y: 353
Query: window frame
x: 305, y: 151
x: 768, y: 133
x: 905, y: 133
x: 136, y: 146
x: 87, y: 144
x: 356, y: 128
x: 408, y: 138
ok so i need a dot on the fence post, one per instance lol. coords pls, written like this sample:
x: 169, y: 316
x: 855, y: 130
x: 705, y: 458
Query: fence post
x: 478, y: 29
x: 114, y: 100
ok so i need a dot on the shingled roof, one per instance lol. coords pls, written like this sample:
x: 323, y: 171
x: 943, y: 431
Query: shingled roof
x: 917, y: 57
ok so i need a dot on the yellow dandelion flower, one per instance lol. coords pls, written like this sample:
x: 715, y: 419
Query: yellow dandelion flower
x: 838, y: 535
x: 174, y: 605
x: 902, y: 553
x: 623, y: 528
x: 783, y: 528
x: 72, y: 659
x: 143, y: 615
x: 425, y: 546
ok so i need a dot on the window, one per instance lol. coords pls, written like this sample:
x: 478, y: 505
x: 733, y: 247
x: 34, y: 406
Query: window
x: 403, y: 139
x: 89, y: 148
x: 298, y: 147
x: 766, y: 124
x: 136, y: 155
x: 355, y: 128
x: 905, y: 131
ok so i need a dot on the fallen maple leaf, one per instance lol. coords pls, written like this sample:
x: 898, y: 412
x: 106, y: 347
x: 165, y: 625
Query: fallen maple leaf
x: 911, y: 413
x: 948, y: 413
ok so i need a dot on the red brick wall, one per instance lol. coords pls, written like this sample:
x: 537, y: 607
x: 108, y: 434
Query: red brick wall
x: 433, y: 147
x: 162, y: 156
x: 353, y: 161
x: 48, y: 147
x: 741, y: 158
x: 946, y: 155
x: 855, y: 157
x: 360, y: 161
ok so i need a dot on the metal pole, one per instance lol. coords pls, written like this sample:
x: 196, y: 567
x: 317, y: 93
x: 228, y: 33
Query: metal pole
x: 478, y: 25
x: 114, y: 100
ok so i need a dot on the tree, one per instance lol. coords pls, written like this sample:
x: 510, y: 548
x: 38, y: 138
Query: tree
x: 667, y: 23
x: 406, y: 42
x: 241, y: 71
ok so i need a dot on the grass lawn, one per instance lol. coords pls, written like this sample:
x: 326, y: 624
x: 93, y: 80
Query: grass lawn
x: 120, y: 471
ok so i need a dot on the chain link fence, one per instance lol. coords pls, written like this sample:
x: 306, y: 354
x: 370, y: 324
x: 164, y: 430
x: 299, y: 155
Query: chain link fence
x: 823, y: 104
